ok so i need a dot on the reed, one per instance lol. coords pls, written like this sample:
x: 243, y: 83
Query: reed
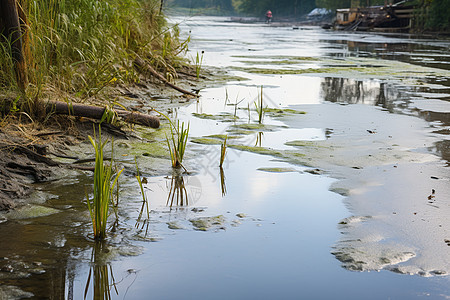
x: 198, y: 64
x: 101, y: 274
x: 104, y: 182
x: 259, y: 105
x: 144, y: 196
x: 223, y: 151
x: 178, y: 194
x: 177, y: 143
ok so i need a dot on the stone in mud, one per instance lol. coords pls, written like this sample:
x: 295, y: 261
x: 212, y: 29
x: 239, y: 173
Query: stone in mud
x: 12, y: 292
x: 206, y: 223
x: 31, y: 211
x: 174, y: 225
x: 314, y: 171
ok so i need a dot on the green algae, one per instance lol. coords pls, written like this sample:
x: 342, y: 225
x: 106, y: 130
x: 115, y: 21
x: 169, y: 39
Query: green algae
x: 274, y: 62
x: 255, y: 127
x: 284, y: 111
x: 277, y: 58
x: 225, y: 117
x: 174, y: 225
x: 290, y: 71
x: 155, y: 149
x: 277, y: 170
x: 206, y: 223
x: 258, y: 150
x: 222, y: 137
x: 31, y: 211
x: 206, y: 141
x: 299, y: 143
x: 359, y: 68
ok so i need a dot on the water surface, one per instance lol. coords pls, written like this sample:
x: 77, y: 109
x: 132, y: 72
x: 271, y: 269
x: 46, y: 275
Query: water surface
x: 277, y: 219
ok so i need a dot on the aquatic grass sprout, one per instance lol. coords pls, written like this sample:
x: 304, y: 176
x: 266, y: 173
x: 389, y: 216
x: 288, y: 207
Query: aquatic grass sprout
x: 177, y: 143
x: 198, y: 64
x: 104, y: 181
x: 144, y: 197
x: 259, y: 105
x: 223, y: 151
x: 178, y: 194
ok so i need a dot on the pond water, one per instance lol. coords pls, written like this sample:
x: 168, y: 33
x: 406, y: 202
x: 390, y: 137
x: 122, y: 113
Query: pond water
x: 356, y: 125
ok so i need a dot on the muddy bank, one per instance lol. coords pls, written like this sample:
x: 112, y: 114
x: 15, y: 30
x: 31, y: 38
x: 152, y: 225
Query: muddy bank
x: 36, y: 152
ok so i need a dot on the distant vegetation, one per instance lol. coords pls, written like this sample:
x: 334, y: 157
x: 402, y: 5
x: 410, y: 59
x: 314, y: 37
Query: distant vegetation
x: 280, y: 8
x: 431, y: 14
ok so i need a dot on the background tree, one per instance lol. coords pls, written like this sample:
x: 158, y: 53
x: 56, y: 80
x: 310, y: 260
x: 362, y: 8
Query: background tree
x: 283, y: 8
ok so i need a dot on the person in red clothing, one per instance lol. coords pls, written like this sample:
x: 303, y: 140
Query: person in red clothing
x: 268, y: 16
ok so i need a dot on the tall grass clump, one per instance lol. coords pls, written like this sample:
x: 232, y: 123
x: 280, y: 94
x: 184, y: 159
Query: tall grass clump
x: 104, y: 182
x: 80, y: 48
x: 177, y: 143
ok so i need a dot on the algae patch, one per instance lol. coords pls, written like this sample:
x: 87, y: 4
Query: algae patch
x: 207, y: 223
x: 255, y: 127
x: 224, y: 117
x: 206, y: 141
x: 31, y: 211
x: 277, y: 170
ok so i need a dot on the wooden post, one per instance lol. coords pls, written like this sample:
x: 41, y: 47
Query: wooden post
x: 11, y: 23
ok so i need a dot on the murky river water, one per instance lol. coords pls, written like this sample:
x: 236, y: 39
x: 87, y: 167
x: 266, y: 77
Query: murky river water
x: 279, y: 217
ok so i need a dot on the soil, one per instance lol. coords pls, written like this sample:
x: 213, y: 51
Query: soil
x: 27, y: 147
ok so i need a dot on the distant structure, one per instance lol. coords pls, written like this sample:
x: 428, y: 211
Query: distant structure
x: 390, y: 17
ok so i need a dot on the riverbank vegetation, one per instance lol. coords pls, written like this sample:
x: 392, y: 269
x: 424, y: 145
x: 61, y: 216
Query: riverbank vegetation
x: 76, y: 50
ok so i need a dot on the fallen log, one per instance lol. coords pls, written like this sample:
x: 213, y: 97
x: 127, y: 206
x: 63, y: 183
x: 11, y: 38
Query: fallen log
x: 147, y: 68
x: 96, y: 112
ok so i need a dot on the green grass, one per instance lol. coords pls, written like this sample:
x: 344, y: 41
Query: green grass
x: 259, y: 105
x: 177, y: 143
x: 104, y: 182
x: 198, y: 64
x: 78, y: 49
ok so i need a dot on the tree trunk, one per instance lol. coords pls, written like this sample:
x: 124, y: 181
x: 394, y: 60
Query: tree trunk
x: 96, y: 112
x: 11, y: 23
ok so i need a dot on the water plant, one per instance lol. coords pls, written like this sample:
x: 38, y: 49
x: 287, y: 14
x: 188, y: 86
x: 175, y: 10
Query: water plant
x: 178, y: 194
x: 104, y: 181
x: 177, y: 142
x: 102, y: 275
x: 223, y: 151
x: 198, y: 64
x: 144, y: 197
x: 259, y: 105
x: 223, y: 186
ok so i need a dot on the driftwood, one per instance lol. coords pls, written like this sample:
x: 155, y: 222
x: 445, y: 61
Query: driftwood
x: 147, y: 68
x: 96, y: 112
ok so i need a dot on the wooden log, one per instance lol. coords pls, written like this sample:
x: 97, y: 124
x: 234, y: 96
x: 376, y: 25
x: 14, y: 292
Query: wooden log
x: 147, y: 68
x: 96, y: 112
